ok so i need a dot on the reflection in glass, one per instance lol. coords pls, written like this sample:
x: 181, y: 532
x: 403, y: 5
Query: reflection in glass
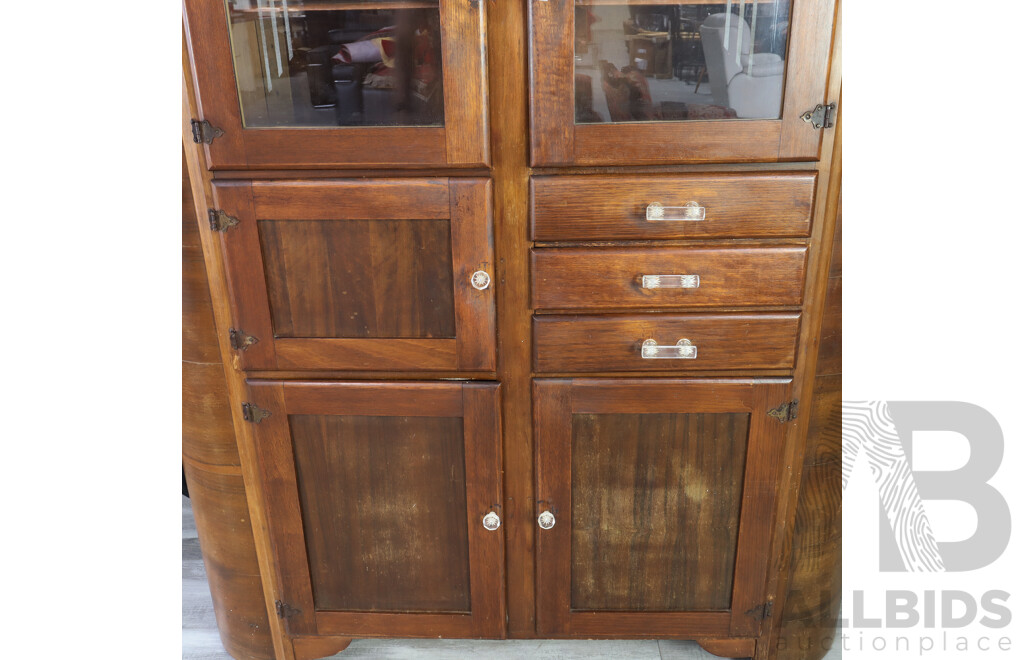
x: 337, y: 62
x: 670, y: 62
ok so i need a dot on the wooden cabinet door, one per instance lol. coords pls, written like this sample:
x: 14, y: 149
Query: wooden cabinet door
x: 375, y: 83
x: 631, y: 82
x: 662, y: 495
x: 375, y: 496
x: 360, y: 275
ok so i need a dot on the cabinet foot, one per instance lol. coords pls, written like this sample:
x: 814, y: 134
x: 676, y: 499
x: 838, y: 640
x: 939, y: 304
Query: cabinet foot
x: 729, y: 648
x: 312, y: 648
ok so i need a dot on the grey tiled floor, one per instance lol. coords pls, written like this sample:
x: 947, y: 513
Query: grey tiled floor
x: 200, y: 640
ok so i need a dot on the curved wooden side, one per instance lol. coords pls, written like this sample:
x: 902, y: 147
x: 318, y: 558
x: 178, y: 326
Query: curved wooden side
x: 812, y: 605
x: 212, y: 465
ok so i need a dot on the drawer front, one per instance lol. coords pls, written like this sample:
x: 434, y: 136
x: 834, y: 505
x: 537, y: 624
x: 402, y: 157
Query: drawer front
x: 594, y: 278
x: 616, y: 343
x: 584, y: 208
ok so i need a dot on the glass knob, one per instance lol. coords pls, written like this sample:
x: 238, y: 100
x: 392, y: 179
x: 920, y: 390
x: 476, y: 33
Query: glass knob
x: 546, y: 520
x: 480, y: 280
x: 492, y: 521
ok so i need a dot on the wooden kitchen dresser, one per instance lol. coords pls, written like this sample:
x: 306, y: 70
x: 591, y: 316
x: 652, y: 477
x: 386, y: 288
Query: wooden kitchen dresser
x: 519, y: 306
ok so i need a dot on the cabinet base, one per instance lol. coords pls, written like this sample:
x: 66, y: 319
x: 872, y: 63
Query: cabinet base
x: 312, y: 648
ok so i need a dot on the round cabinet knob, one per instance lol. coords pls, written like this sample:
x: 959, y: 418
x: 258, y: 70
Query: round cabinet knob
x: 480, y: 280
x: 492, y: 521
x: 546, y: 520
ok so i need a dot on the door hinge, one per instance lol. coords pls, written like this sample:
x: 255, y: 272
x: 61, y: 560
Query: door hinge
x: 241, y: 341
x: 785, y: 412
x: 823, y: 116
x: 203, y: 132
x: 761, y: 612
x: 253, y: 413
x: 284, y: 610
x: 221, y: 220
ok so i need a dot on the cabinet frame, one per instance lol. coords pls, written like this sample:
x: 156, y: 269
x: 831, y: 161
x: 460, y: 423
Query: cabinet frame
x: 465, y: 202
x: 555, y: 401
x: 463, y: 141
x: 478, y: 405
x: 556, y: 139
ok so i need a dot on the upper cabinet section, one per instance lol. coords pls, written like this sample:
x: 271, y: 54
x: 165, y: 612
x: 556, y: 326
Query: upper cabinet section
x: 653, y: 82
x: 340, y: 83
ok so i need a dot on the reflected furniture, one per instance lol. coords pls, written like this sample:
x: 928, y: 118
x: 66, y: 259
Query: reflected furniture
x: 751, y: 83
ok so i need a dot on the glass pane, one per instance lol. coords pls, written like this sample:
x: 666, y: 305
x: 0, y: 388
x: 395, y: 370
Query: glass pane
x: 337, y: 62
x: 647, y: 61
x: 650, y: 494
x: 359, y: 278
x: 384, y: 511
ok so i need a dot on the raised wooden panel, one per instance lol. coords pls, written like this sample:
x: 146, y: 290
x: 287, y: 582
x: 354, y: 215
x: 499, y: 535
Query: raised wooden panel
x: 359, y: 278
x: 384, y: 511
x: 613, y: 207
x: 655, y: 510
x: 613, y: 342
x: 595, y: 278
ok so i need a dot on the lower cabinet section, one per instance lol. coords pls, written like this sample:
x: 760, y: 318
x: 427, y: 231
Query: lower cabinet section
x: 655, y: 500
x: 383, y: 502
x: 654, y: 505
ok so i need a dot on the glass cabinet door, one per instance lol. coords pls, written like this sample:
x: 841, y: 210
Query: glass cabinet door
x: 648, y: 81
x: 340, y: 82
x: 654, y: 505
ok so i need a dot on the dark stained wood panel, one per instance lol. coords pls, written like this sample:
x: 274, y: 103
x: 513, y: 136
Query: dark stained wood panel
x: 594, y: 278
x: 651, y: 494
x: 614, y: 207
x: 359, y: 278
x: 352, y: 199
x: 384, y: 511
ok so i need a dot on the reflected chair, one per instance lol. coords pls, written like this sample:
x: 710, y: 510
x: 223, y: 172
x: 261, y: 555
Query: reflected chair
x: 749, y: 84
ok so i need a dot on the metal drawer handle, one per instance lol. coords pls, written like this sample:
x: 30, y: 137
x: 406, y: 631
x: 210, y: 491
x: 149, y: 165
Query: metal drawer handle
x: 690, y: 212
x: 546, y: 520
x: 683, y: 350
x: 492, y: 521
x: 670, y: 281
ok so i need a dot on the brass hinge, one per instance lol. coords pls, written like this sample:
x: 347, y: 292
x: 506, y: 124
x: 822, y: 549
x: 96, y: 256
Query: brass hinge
x: 203, y: 132
x: 284, y: 610
x: 785, y: 412
x: 761, y: 612
x: 253, y: 413
x: 221, y: 220
x: 823, y: 116
x: 241, y: 341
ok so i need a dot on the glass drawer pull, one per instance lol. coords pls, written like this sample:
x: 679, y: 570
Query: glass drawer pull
x: 670, y: 281
x: 691, y: 212
x: 683, y: 350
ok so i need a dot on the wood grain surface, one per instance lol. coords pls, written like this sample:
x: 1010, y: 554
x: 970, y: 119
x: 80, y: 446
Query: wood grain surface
x: 595, y: 278
x: 610, y: 343
x: 592, y: 208
x: 649, y: 493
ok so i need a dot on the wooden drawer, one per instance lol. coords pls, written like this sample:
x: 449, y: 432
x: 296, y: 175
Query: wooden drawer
x: 587, y: 208
x: 614, y: 343
x: 612, y: 278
